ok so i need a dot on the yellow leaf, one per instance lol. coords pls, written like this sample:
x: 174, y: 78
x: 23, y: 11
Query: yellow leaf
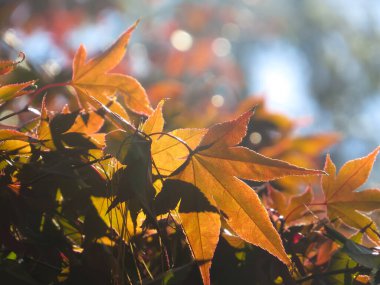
x: 169, y: 153
x: 213, y: 167
x: 10, y: 91
x: 43, y: 129
x: 198, y: 217
x: 87, y: 123
x: 82, y: 125
x: 202, y: 231
x: 155, y: 122
x: 12, y: 142
x: 118, y: 218
x: 92, y: 79
x: 342, y: 199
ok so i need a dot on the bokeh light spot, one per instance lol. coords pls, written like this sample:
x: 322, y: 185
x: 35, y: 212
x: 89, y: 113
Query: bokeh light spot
x: 221, y: 47
x: 255, y: 138
x: 11, y: 38
x: 52, y: 67
x: 217, y: 100
x: 181, y: 40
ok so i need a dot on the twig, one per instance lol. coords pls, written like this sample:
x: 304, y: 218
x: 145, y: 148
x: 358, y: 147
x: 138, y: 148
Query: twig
x: 334, y: 272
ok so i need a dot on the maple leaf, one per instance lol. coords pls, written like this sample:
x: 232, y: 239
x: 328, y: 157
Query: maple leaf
x: 311, y: 145
x: 133, y: 148
x: 119, y: 219
x: 292, y: 208
x: 10, y: 91
x: 87, y: 123
x: 7, y: 66
x: 341, y: 198
x: 43, y: 128
x: 69, y: 130
x: 304, y: 151
x: 155, y: 122
x: 12, y: 142
x: 213, y: 168
x: 126, y: 184
x: 92, y: 79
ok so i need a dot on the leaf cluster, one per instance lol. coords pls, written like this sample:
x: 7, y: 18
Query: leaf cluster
x: 106, y: 194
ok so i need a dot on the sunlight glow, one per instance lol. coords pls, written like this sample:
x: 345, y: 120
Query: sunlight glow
x: 282, y: 75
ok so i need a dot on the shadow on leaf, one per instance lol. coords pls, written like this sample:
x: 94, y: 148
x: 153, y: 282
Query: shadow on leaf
x: 191, y: 198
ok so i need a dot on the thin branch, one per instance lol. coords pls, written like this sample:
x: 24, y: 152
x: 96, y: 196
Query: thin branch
x: 355, y: 269
x: 53, y: 85
x: 23, y: 110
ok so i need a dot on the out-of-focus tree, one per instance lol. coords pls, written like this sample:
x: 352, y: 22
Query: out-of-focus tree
x: 205, y: 52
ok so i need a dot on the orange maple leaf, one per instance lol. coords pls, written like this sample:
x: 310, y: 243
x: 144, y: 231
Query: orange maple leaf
x: 291, y: 207
x: 213, y: 165
x: 341, y: 198
x: 92, y: 79
x: 7, y: 66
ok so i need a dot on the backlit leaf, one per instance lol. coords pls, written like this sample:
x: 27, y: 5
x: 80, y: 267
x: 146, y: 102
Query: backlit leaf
x: 91, y: 79
x: 43, y: 129
x: 13, y: 142
x: 155, y: 122
x: 214, y: 168
x: 10, y: 91
x: 87, y: 123
x: 7, y: 66
x: 292, y: 208
x: 169, y: 153
x: 342, y: 199
x: 119, y: 218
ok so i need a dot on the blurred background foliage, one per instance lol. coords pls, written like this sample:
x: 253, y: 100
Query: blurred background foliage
x: 316, y: 61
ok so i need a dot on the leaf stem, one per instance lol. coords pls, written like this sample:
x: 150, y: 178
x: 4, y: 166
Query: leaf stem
x: 25, y: 109
x: 52, y: 85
